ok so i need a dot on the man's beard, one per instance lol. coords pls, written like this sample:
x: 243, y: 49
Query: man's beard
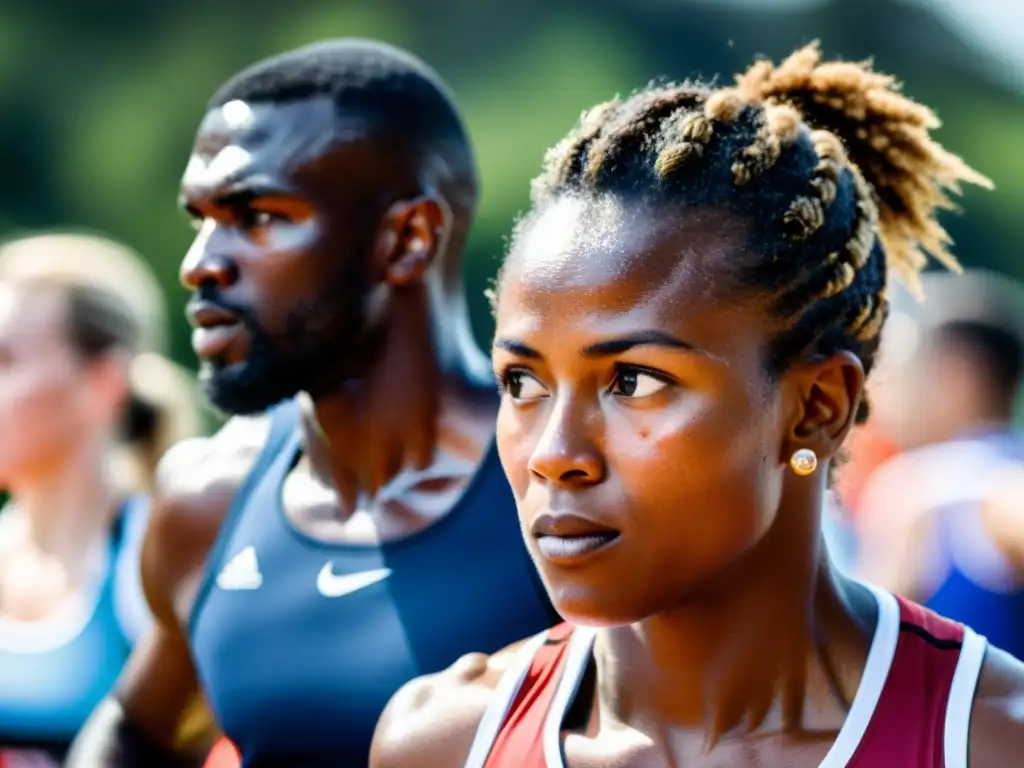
x: 320, y: 346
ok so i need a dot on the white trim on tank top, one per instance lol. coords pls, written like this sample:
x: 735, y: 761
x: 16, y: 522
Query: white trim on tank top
x: 130, y: 607
x: 577, y: 657
x: 504, y: 695
x: 872, y: 681
x: 961, y: 699
x: 67, y: 624
x: 876, y: 672
x: 131, y: 612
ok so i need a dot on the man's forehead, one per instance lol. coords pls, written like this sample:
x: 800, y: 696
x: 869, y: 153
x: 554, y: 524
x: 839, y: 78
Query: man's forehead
x: 240, y: 138
x: 252, y: 124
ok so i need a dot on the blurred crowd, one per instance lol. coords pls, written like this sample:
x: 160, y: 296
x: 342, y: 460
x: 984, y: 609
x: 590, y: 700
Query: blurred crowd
x: 88, y: 404
x: 930, y: 500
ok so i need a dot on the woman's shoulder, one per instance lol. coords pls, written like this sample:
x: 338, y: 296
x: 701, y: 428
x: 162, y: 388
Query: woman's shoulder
x: 997, y: 717
x: 130, y: 605
x: 432, y: 720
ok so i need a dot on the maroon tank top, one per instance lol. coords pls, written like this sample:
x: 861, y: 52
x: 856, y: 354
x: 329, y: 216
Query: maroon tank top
x: 912, y: 707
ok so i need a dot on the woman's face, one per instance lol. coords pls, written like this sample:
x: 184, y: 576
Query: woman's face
x: 44, y: 392
x: 644, y: 443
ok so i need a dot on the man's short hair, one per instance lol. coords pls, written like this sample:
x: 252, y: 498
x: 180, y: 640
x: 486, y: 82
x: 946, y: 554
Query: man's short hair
x: 370, y: 78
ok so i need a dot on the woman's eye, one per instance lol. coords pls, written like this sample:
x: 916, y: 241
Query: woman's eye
x: 520, y: 385
x: 635, y: 383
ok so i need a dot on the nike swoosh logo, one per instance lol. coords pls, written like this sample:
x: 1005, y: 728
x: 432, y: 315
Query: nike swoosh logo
x: 330, y: 584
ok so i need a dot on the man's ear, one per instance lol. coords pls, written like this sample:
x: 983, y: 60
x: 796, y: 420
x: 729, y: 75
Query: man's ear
x: 412, y: 235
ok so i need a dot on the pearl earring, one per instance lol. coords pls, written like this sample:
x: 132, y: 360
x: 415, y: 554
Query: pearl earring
x: 803, y: 462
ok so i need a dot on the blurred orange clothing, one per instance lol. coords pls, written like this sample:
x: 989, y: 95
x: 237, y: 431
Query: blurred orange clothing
x: 866, y: 450
x: 223, y: 755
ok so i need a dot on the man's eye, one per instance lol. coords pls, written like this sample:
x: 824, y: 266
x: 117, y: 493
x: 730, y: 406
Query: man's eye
x: 250, y: 218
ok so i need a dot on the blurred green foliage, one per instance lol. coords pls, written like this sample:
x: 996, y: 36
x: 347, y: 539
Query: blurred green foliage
x: 99, y: 101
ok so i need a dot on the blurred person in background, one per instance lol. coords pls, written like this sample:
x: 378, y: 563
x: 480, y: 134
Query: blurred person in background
x: 86, y: 408
x: 303, y: 566
x: 943, y: 522
x: 867, y: 449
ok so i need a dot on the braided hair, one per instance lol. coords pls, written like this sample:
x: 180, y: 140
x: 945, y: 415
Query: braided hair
x: 833, y: 168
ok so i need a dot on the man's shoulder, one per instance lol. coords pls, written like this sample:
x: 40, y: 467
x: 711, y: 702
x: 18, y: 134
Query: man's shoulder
x: 196, y: 482
x: 199, y: 476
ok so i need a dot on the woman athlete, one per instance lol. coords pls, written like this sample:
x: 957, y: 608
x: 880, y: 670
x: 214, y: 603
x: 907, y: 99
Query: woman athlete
x: 684, y: 324
x: 86, y: 408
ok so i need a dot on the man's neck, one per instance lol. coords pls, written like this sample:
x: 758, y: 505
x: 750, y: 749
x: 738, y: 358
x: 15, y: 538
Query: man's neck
x: 425, y: 390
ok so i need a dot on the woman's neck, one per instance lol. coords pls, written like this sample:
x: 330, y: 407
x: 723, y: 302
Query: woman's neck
x: 67, y: 508
x: 780, y: 649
